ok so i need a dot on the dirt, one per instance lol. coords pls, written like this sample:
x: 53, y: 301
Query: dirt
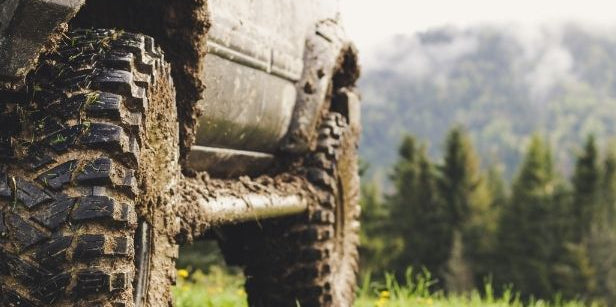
x: 159, y: 174
x: 347, y: 69
x: 180, y: 28
x: 52, y: 42
x: 201, y: 188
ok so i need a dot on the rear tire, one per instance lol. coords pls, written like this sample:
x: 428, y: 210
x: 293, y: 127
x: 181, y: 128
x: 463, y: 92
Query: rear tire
x: 86, y: 184
x: 311, y: 259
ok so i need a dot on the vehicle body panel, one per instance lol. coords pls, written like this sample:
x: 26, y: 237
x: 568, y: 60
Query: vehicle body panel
x: 244, y: 108
x: 255, y: 58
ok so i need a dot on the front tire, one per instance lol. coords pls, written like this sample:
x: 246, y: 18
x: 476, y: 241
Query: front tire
x: 87, y: 186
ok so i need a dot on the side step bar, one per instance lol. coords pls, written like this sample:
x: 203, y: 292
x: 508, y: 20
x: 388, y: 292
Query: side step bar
x: 209, y: 202
x: 231, y: 209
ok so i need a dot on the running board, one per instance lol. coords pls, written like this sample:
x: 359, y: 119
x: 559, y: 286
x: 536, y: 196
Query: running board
x: 208, y: 203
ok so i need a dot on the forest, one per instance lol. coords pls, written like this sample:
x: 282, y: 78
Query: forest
x: 544, y: 235
x: 501, y: 82
x: 521, y: 191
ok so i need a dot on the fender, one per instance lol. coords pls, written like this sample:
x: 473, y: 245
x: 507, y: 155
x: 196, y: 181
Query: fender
x: 327, y: 82
x: 26, y: 29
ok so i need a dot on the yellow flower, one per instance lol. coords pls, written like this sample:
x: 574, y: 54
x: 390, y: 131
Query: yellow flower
x: 381, y: 302
x: 429, y: 301
x: 183, y: 273
x: 241, y: 292
x: 383, y: 299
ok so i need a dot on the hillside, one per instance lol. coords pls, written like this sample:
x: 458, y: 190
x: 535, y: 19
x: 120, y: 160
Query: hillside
x: 503, y: 83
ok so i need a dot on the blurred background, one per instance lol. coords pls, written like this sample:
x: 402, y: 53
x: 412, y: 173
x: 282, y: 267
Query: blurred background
x: 488, y: 152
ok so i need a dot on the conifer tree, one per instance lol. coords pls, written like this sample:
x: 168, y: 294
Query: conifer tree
x: 574, y: 270
x: 602, y: 240
x: 480, y: 231
x: 586, y: 188
x: 467, y: 198
x: 402, y: 204
x: 375, y: 249
x: 526, y: 233
x: 404, y: 179
x: 460, y: 175
x: 496, y: 186
x: 431, y: 222
x: 608, y: 186
x: 420, y: 222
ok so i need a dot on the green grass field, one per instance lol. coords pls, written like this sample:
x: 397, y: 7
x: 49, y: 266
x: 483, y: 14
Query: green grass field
x: 221, y: 289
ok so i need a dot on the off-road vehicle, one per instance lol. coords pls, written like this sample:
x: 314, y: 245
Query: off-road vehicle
x: 129, y: 127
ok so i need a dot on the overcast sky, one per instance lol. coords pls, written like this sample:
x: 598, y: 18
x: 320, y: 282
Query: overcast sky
x: 370, y: 22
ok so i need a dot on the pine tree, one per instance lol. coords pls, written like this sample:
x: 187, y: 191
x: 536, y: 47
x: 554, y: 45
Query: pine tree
x: 419, y: 220
x: 586, y: 188
x: 608, y: 186
x: 402, y: 204
x: 375, y: 249
x: 526, y: 228
x: 602, y: 239
x: 460, y: 175
x: 574, y: 268
x: 467, y: 198
x: 431, y: 224
x: 480, y: 232
x: 496, y: 186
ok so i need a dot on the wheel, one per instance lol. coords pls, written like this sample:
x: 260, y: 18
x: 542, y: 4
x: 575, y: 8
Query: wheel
x: 90, y: 158
x: 311, y: 259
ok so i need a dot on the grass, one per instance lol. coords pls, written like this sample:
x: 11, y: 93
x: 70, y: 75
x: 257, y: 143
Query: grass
x: 218, y: 288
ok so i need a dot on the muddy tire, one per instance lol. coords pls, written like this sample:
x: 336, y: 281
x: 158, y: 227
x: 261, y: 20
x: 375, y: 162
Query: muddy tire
x: 312, y: 259
x: 90, y: 160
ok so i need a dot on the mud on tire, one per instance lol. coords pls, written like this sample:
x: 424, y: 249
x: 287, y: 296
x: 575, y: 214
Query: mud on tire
x: 312, y: 259
x: 89, y: 154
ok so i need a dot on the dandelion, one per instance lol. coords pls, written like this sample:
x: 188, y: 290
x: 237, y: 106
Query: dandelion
x: 383, y: 299
x: 183, y: 273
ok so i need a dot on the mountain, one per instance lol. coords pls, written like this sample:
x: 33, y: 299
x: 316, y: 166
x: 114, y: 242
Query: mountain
x: 501, y: 82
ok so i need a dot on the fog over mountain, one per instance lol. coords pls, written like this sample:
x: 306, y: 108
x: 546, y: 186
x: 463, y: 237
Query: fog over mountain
x: 500, y: 81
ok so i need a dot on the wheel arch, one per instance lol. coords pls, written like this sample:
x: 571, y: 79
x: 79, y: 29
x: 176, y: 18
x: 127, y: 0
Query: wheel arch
x: 331, y: 69
x: 345, y: 97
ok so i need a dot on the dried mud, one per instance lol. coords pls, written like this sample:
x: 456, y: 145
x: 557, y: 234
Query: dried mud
x: 180, y: 28
x: 159, y: 172
x: 194, y: 222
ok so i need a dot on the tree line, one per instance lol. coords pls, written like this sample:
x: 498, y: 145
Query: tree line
x: 545, y: 235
